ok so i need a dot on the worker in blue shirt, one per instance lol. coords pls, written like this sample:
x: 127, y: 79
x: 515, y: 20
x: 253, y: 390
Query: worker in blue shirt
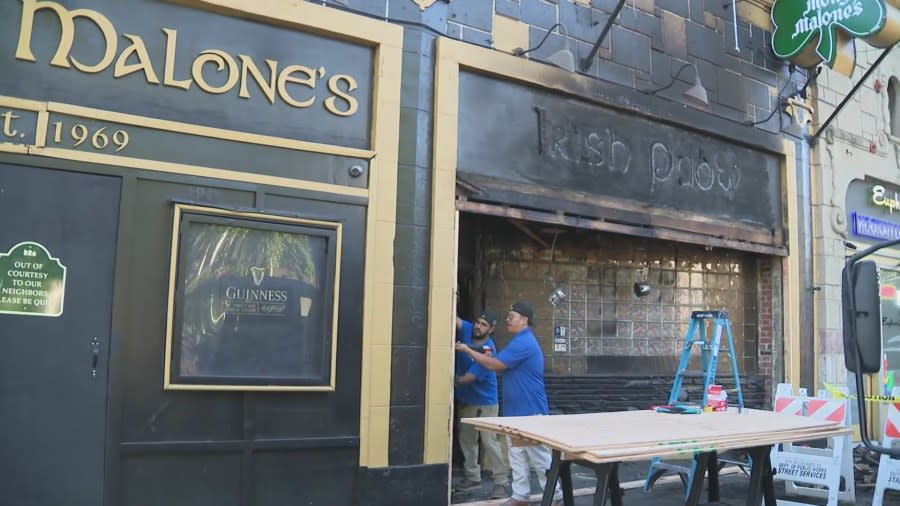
x: 476, y: 396
x: 522, y: 364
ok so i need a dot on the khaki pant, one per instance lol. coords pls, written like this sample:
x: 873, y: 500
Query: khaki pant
x: 522, y: 459
x: 468, y: 442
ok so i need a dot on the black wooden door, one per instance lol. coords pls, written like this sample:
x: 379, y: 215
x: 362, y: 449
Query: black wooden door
x: 53, y: 369
x: 212, y: 447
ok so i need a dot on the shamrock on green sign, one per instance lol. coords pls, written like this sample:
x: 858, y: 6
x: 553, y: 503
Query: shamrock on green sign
x: 797, y: 22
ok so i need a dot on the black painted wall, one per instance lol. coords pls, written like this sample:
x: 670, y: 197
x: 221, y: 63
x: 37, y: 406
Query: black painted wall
x: 407, y: 481
x: 411, y: 258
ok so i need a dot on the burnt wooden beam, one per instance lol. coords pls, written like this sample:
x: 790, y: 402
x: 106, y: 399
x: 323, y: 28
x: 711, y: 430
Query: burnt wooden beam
x: 619, y: 228
x: 527, y: 231
x: 571, y: 203
x: 466, y: 189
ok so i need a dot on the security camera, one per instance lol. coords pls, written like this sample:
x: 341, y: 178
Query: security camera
x: 356, y: 171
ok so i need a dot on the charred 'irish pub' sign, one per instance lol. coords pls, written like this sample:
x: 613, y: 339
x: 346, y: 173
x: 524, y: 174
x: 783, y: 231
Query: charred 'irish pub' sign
x: 812, y: 31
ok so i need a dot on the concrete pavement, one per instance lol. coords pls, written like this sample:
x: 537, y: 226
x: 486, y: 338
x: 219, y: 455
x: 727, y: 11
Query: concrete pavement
x: 668, y: 491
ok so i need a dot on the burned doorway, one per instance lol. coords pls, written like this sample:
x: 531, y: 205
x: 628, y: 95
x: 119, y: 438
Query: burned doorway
x: 601, y: 337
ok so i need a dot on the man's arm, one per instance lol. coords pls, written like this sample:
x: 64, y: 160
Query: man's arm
x: 465, y: 379
x: 486, y: 361
x: 459, y: 323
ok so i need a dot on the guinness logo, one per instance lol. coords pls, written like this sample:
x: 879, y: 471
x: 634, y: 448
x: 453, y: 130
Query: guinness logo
x: 258, y: 273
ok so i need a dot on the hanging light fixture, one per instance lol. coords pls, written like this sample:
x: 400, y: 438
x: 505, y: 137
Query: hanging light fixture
x: 641, y: 286
x: 696, y: 93
x: 557, y: 296
x: 563, y: 58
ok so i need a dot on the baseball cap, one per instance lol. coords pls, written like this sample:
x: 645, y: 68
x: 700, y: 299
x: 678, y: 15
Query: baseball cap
x: 525, y: 309
x: 489, y: 316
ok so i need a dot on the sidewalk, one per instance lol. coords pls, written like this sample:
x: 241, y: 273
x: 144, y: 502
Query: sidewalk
x: 668, y: 491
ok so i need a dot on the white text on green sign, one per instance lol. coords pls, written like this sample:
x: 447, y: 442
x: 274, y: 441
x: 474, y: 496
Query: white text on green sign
x: 32, y: 282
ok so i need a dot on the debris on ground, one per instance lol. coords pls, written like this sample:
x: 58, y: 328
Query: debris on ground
x: 865, y: 467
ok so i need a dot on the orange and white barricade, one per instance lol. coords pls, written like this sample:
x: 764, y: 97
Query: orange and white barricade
x: 888, y: 468
x: 805, y: 470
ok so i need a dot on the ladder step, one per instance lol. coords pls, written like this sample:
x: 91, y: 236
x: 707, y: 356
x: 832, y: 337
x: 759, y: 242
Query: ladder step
x: 693, y: 374
x: 704, y: 343
x: 704, y: 315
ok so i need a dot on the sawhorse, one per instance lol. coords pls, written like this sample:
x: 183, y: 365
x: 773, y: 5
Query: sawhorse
x: 607, y: 474
x: 762, y: 486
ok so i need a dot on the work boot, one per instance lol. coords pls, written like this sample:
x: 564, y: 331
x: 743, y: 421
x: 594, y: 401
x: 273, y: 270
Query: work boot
x: 499, y: 492
x: 467, y: 484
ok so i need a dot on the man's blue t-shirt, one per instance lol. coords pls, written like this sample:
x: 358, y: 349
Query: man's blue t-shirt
x: 483, y: 391
x: 523, y: 379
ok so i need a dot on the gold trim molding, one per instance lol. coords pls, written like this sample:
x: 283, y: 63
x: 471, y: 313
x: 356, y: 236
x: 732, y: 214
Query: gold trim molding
x: 180, y: 209
x: 40, y: 149
x: 424, y: 4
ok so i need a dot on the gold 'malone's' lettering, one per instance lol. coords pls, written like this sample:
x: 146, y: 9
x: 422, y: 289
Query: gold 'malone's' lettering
x: 331, y: 102
x: 221, y: 59
x: 137, y: 48
x: 136, y: 58
x: 267, y: 87
x: 67, y: 37
x: 169, y: 72
x: 309, y: 80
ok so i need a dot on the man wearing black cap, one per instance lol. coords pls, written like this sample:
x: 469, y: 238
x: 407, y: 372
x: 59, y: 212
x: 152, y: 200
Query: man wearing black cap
x: 476, y: 396
x: 522, y: 365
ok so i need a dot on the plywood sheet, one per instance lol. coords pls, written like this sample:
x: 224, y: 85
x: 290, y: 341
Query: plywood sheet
x: 687, y: 450
x: 644, y: 429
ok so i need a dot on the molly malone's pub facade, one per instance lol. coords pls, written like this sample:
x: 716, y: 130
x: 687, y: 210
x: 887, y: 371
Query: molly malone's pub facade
x: 233, y: 233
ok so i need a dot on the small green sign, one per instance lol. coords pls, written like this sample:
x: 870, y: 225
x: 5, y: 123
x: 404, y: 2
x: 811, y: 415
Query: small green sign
x: 32, y: 282
x: 798, y: 22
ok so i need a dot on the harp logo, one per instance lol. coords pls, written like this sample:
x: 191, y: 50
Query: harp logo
x: 258, y: 273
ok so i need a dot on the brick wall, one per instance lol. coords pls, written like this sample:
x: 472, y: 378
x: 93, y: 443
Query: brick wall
x: 648, y: 44
x: 609, y: 330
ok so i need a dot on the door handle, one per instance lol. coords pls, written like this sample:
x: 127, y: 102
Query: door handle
x: 95, y: 355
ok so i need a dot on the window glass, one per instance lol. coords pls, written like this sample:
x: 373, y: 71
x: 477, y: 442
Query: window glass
x: 254, y: 302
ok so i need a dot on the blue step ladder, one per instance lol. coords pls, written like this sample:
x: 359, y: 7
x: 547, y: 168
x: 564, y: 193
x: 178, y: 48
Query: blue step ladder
x: 710, y: 348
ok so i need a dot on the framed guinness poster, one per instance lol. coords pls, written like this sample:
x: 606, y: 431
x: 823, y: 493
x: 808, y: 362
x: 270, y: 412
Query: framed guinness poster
x: 252, y: 301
